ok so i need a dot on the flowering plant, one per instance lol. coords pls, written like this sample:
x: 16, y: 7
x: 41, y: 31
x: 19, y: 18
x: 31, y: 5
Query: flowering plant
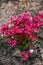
x: 22, y: 31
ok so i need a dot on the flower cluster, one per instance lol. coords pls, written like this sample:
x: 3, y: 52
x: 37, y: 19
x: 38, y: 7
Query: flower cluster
x: 22, y: 29
x: 26, y: 54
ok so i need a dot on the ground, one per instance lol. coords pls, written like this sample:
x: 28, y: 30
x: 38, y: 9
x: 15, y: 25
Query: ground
x: 12, y: 7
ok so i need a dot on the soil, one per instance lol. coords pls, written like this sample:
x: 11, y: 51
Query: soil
x: 12, y: 7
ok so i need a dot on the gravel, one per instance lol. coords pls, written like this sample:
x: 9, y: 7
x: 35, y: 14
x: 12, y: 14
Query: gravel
x: 12, y: 7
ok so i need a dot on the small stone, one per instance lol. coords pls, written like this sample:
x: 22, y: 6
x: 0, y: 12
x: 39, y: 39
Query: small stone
x: 10, y: 4
x: 33, y: 56
x: 11, y: 25
x: 2, y: 35
x: 20, y: 0
x: 1, y: 63
x: 31, y: 50
x: 15, y: 7
x: 17, y: 53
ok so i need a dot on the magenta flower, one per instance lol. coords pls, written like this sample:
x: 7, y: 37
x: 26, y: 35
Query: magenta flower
x: 23, y: 52
x: 25, y: 57
x: 12, y: 42
x: 33, y: 37
x: 6, y: 33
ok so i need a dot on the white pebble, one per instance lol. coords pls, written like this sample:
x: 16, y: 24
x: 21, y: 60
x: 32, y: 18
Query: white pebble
x: 31, y: 50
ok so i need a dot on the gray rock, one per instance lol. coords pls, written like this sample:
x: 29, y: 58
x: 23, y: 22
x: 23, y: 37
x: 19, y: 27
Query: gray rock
x: 17, y: 53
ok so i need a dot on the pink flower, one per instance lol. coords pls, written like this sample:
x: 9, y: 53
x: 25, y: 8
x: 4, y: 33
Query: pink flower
x: 28, y: 31
x: 11, y: 17
x: 41, y: 15
x: 25, y: 57
x: 13, y: 20
x: 33, y: 37
x: 18, y: 29
x: 23, y: 52
x: 26, y: 15
x: 12, y: 31
x: 9, y: 41
x: 40, y: 23
x: 12, y: 42
x: 6, y: 33
x: 4, y: 27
